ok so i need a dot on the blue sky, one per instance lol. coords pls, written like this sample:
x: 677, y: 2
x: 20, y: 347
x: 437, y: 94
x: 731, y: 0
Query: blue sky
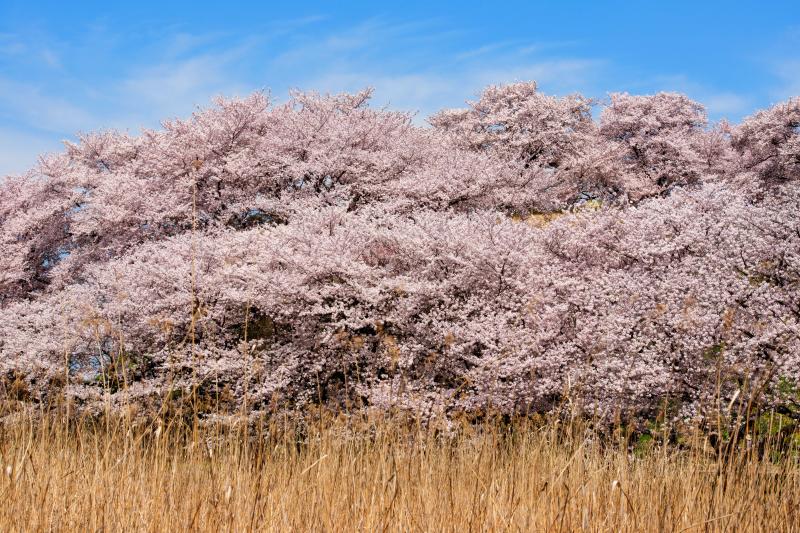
x: 83, y: 65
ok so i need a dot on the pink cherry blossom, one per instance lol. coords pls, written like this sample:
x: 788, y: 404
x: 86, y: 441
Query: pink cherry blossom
x: 516, y: 255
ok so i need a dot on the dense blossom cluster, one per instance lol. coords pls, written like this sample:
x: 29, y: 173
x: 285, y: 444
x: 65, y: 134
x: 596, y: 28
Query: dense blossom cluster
x: 518, y: 255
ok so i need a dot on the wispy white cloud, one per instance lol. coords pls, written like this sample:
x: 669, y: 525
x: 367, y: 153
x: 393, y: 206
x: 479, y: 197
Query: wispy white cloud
x: 725, y: 103
x: 32, y: 51
x: 182, y: 70
x: 171, y: 83
x: 373, y: 40
x: 36, y: 106
x: 181, y: 42
x: 788, y: 74
x: 396, y: 60
x: 172, y: 88
x: 718, y: 103
x: 19, y: 150
x: 537, y: 48
x: 425, y: 93
x: 482, y: 50
x: 50, y: 57
x: 10, y: 45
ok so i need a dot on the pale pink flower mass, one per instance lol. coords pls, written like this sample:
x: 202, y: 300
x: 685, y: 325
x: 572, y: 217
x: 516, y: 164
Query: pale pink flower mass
x: 513, y: 255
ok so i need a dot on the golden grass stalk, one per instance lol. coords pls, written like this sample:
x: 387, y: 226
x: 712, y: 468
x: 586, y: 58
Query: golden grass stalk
x: 380, y: 475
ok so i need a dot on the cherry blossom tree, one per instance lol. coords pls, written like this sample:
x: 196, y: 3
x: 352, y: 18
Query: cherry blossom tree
x: 544, y: 137
x: 769, y: 142
x: 658, y: 137
x: 272, y: 256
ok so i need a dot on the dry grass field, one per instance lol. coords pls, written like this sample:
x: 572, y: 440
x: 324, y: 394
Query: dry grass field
x: 371, y: 475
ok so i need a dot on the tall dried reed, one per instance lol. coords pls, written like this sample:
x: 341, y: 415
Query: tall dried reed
x: 339, y: 474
